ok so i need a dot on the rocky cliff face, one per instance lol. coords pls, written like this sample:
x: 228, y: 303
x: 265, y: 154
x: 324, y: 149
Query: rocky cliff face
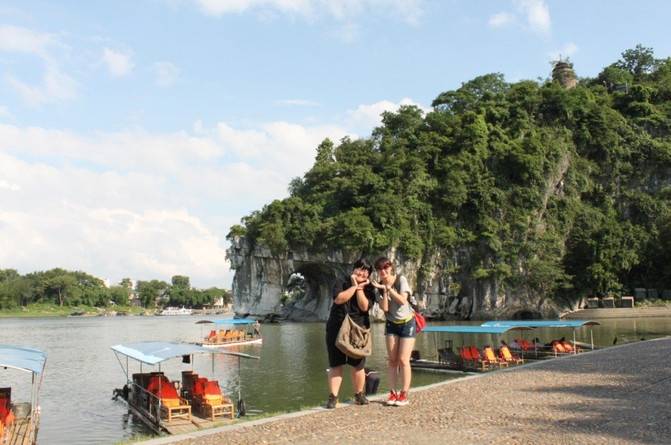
x: 300, y: 285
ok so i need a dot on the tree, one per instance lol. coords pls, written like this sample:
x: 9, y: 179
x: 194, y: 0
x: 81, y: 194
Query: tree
x: 62, y: 286
x: 638, y: 61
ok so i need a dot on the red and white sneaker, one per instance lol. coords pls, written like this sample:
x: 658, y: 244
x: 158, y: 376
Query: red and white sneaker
x: 402, y: 399
x: 391, y: 400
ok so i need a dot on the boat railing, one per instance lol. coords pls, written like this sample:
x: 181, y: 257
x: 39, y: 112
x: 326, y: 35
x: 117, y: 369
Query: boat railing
x: 146, y: 400
x: 22, y: 430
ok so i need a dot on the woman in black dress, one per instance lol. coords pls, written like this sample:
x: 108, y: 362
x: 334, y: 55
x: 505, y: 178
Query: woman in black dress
x: 355, y: 297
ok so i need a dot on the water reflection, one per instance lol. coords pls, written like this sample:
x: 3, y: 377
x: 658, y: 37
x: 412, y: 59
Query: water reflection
x: 81, y: 371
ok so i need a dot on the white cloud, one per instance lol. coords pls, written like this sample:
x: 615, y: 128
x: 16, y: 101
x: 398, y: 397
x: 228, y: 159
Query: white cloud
x: 565, y: 51
x: 55, y: 84
x: 501, y: 19
x: 537, y: 14
x: 4, y: 185
x: 23, y: 40
x: 148, y: 205
x: 166, y: 74
x: 4, y: 112
x: 297, y: 103
x: 141, y: 204
x: 367, y: 116
x: 118, y: 63
x: 409, y: 11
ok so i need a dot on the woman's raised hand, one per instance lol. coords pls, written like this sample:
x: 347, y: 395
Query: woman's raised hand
x: 363, y: 284
x: 376, y: 284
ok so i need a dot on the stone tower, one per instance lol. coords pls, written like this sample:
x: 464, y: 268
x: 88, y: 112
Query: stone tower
x: 563, y: 73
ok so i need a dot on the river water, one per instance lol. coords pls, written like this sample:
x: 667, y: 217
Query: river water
x: 82, y: 370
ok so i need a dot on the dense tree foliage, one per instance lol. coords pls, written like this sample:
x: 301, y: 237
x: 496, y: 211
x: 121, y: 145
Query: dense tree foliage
x: 559, y: 191
x: 66, y: 288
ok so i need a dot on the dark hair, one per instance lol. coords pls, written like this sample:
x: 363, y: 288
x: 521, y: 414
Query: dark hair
x: 363, y: 263
x: 382, y: 262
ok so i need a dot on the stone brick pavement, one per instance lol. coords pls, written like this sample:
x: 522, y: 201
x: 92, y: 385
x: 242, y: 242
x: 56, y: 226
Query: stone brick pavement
x: 619, y: 395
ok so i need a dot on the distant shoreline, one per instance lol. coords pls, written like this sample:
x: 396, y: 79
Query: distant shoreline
x: 51, y: 311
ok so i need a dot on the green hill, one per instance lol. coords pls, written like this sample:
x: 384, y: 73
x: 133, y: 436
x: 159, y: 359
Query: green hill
x: 550, y: 190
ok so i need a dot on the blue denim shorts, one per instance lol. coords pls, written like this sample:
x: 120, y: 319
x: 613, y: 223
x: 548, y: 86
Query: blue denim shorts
x: 402, y: 330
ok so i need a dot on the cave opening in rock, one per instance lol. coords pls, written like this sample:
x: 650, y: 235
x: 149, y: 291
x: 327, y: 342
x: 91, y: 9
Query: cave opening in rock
x: 310, y: 280
x: 527, y: 315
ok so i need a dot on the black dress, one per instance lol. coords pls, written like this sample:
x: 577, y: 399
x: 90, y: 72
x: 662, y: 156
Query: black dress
x: 336, y: 317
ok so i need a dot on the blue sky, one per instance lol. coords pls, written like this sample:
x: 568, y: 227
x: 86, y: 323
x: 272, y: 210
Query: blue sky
x: 134, y: 133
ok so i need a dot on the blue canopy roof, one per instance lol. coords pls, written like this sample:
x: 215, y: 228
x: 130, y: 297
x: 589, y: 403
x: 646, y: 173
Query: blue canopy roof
x: 153, y: 352
x: 234, y: 321
x: 23, y: 359
x: 470, y: 329
x: 542, y: 323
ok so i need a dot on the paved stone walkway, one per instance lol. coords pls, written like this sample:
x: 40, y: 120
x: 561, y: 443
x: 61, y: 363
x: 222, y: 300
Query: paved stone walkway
x: 620, y: 395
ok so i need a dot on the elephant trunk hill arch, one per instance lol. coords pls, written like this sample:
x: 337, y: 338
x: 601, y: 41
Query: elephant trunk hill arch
x: 299, y: 285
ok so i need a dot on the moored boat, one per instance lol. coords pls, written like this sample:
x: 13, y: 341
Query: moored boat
x: 179, y: 406
x: 19, y: 420
x: 232, y: 332
x: 176, y: 311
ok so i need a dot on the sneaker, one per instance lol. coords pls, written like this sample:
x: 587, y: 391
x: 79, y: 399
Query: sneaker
x: 360, y: 399
x: 332, y: 402
x: 402, y: 399
x: 391, y: 401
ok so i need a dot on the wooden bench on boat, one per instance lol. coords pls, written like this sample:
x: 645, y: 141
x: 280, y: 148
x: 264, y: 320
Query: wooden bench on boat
x: 209, y: 400
x: 172, y: 405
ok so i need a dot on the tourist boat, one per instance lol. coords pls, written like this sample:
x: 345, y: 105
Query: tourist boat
x: 232, y: 332
x: 19, y: 421
x: 179, y: 406
x: 176, y: 311
x: 553, y: 324
x: 449, y: 360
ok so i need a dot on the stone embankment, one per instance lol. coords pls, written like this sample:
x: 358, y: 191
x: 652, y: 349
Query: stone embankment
x: 618, y: 395
x: 618, y: 312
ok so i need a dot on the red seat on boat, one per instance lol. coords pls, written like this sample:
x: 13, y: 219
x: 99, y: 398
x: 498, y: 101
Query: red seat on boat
x: 6, y: 414
x: 199, y: 386
x: 162, y: 388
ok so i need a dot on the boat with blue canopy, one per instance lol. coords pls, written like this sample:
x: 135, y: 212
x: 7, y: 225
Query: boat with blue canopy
x: 570, y: 324
x: 447, y: 359
x: 19, y: 421
x: 178, y: 406
x: 231, y: 332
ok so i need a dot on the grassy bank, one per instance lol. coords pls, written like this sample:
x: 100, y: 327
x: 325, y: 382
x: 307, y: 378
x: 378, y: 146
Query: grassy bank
x: 52, y: 310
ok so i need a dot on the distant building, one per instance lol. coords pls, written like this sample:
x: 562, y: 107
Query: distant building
x: 562, y: 72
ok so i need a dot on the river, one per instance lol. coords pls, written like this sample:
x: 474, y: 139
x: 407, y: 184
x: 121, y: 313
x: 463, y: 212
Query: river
x: 82, y: 370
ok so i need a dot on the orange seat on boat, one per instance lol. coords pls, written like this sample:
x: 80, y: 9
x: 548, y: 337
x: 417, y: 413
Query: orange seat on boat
x: 558, y: 347
x: 199, y: 385
x: 213, y: 333
x: 475, y: 353
x: 6, y: 414
x: 465, y: 353
x: 212, y: 393
x: 490, y: 357
x: 567, y: 346
x: 508, y: 356
x: 162, y: 388
x: 4, y: 408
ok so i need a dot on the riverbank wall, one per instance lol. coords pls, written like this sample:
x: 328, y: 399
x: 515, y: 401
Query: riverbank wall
x: 616, y: 395
x: 636, y: 312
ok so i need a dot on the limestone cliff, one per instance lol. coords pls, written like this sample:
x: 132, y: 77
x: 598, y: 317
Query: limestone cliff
x: 263, y: 285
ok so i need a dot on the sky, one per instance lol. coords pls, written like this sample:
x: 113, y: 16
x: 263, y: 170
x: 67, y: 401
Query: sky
x: 134, y: 133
